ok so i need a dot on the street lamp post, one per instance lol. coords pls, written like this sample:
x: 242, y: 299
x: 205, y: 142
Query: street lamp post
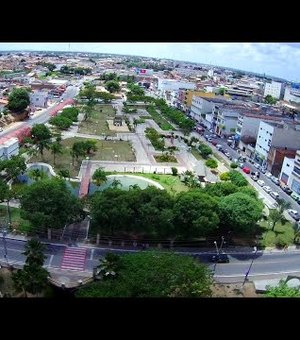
x: 4, y: 244
x: 255, y: 250
x: 215, y: 242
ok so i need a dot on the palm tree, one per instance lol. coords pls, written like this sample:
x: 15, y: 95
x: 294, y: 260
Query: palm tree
x: 109, y: 266
x: 34, y: 252
x: 37, y: 174
x: 99, y: 176
x: 56, y: 149
x: 116, y: 183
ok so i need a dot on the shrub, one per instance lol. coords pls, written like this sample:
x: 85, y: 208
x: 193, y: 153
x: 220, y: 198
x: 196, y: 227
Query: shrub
x: 174, y: 171
x: 233, y: 165
x: 280, y: 241
x: 225, y: 176
x: 211, y: 163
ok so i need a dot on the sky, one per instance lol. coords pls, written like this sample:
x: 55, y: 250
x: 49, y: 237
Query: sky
x: 275, y: 59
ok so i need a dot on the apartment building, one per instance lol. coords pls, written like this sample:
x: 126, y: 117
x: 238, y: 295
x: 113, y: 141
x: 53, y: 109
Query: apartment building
x: 274, y: 89
x: 286, y: 170
x: 276, y: 157
x: 294, y: 178
x: 39, y: 99
x: 277, y: 135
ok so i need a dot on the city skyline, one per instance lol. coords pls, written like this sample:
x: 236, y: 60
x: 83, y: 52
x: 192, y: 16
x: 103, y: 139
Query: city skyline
x: 274, y: 59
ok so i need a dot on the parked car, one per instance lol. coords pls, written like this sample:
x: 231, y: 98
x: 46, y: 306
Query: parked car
x: 294, y: 196
x: 261, y: 183
x: 274, y: 194
x: 268, y: 174
x: 263, y: 170
x: 294, y: 213
x: 287, y: 190
x: 241, y: 165
x: 209, y: 140
x: 267, y: 188
x: 255, y: 178
x: 275, y: 180
x: 246, y: 170
x: 214, y: 142
x: 257, y: 166
x: 220, y: 258
x: 219, y: 146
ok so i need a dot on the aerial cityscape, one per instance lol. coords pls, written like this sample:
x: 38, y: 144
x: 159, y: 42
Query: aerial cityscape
x: 149, y: 170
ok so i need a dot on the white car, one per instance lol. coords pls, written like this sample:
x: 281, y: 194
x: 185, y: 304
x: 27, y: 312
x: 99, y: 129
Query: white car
x: 261, y: 183
x: 268, y: 174
x: 267, y: 188
x: 274, y: 195
x: 294, y: 214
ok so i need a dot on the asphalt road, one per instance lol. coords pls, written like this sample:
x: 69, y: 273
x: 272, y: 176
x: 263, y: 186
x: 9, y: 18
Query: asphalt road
x: 265, y: 264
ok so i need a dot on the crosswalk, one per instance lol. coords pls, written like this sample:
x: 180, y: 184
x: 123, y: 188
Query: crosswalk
x: 74, y: 258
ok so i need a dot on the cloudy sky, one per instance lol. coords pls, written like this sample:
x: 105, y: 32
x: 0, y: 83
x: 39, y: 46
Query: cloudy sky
x: 276, y: 59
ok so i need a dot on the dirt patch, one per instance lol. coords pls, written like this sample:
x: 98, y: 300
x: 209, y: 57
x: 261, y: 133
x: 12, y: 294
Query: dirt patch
x: 234, y: 290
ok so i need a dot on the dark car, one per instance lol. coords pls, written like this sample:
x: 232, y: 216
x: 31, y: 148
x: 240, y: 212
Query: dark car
x: 220, y: 258
x: 288, y: 190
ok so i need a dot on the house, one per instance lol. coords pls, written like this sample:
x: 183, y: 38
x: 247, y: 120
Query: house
x: 39, y: 99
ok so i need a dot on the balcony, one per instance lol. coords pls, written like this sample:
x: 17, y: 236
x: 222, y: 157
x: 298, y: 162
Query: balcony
x: 297, y: 161
x: 295, y: 174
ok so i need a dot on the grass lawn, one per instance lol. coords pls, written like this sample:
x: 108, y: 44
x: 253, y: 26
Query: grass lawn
x: 96, y: 124
x: 196, y: 154
x: 171, y: 183
x: 106, y: 152
x: 165, y: 159
x: 269, y: 237
x: 17, y: 222
x: 160, y: 120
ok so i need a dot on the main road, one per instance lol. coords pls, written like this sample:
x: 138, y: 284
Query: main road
x: 44, y: 116
x: 265, y: 264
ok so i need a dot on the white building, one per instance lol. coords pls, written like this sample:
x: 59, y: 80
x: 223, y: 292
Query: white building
x: 174, y: 85
x: 292, y: 95
x: 39, y: 99
x: 273, y: 89
x: 286, y: 170
x: 9, y: 148
x: 278, y: 135
x: 294, y: 179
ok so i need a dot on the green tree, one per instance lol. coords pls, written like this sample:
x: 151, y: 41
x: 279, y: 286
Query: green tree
x: 64, y: 173
x: 88, y: 110
x: 61, y: 122
x: 99, y: 176
x: 109, y: 266
x: 195, y: 214
x: 90, y: 145
x: 221, y: 91
x: 33, y: 278
x: 41, y: 137
x: 276, y: 216
x: 174, y: 171
x: 154, y: 274
x: 205, y: 150
x: 270, y: 100
x: 220, y: 189
x: 239, y: 212
x: 49, y: 204
x: 282, y: 290
x: 18, y: 100
x: 37, y: 174
x: 5, y: 196
x: 106, y: 97
x: 88, y: 92
x: 211, y: 163
x: 78, y: 150
x: 225, y: 176
x: 237, y: 178
x: 112, y: 86
x: 116, y: 183
x: 56, y: 149
x: 249, y: 191
x: 14, y: 166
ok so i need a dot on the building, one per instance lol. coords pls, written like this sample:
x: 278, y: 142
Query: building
x: 276, y: 157
x: 286, y: 170
x: 274, y: 89
x: 174, y: 85
x: 292, y: 95
x: 278, y: 135
x: 185, y: 98
x: 9, y: 148
x: 248, y: 126
x: 294, y: 178
x: 39, y: 99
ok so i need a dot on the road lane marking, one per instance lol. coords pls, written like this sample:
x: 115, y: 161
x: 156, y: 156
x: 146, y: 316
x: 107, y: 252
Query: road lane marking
x: 92, y: 254
x: 50, y: 261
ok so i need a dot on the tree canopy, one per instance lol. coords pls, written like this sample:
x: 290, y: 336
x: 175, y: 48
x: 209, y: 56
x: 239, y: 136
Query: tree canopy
x: 18, y: 100
x: 49, y: 204
x: 112, y: 86
x: 153, y: 274
x: 239, y: 212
